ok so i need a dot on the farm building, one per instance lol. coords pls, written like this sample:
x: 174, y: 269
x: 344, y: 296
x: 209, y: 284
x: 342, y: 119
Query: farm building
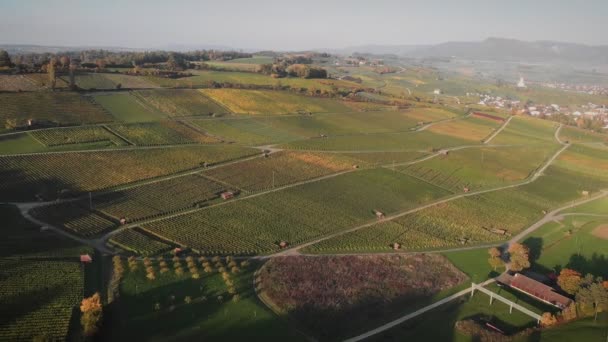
x: 227, y: 195
x: 86, y: 259
x: 534, y: 289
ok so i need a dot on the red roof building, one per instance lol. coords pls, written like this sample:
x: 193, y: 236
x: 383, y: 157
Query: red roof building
x: 85, y: 258
x: 535, y: 289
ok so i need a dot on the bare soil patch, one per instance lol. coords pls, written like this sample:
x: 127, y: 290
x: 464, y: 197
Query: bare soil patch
x: 601, y: 231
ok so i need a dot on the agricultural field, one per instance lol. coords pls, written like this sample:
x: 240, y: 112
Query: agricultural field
x: 138, y: 242
x: 525, y: 131
x: 38, y: 297
x: 50, y: 109
x: 182, y: 307
x: 470, y: 128
x: 41, y: 80
x: 27, y: 177
x: 247, y: 131
x: 578, y: 135
x: 279, y: 169
x: 587, y: 161
x: 574, y: 241
x: 150, y: 200
x: 17, y: 83
x: 159, y: 133
x: 207, y: 78
x: 431, y: 114
x: 335, y: 297
x: 480, y: 168
x: 422, y: 141
x: 76, y: 135
x: 295, y: 215
x: 271, y: 102
x: 385, y: 158
x: 180, y: 102
x: 75, y: 218
x: 128, y: 108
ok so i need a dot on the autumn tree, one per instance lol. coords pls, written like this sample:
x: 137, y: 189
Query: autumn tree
x: 91, y: 314
x: 519, y: 257
x: 569, y: 280
x: 495, y: 259
x: 592, y: 299
x: 50, y: 69
x: 547, y: 319
x: 65, y: 61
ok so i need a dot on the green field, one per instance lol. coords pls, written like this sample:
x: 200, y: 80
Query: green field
x: 77, y: 135
x: 158, y: 133
x: 577, y: 135
x: 127, y: 108
x: 525, y: 130
x: 206, y: 317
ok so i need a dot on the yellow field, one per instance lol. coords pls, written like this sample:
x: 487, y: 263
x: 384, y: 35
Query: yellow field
x: 469, y: 129
x: 271, y: 102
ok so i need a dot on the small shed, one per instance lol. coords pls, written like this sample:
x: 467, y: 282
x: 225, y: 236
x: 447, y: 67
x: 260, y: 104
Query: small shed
x: 227, y: 195
x: 585, y: 193
x: 123, y: 220
x: 177, y: 250
x: 466, y: 189
x: 396, y: 246
x: 355, y: 166
x: 283, y: 244
x: 379, y: 214
x: 86, y: 259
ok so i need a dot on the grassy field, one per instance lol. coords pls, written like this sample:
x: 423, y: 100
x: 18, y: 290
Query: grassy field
x: 578, y: 135
x: 49, y: 175
x: 127, y: 108
x: 594, y: 207
x: 526, y: 130
x: 387, y: 142
x: 576, y: 242
x: 296, y: 215
x: 271, y: 102
x: 158, y: 309
x: 471, y: 128
x: 17, y: 83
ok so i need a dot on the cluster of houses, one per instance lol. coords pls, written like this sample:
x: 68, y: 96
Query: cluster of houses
x: 579, y: 88
x: 359, y: 61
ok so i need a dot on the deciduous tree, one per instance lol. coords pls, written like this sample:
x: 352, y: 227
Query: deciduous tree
x: 519, y: 257
x: 569, y: 280
x: 495, y: 259
x: 91, y: 314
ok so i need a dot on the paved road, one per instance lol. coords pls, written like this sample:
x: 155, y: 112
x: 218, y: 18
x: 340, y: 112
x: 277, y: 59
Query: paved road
x: 414, y: 314
x: 498, y: 130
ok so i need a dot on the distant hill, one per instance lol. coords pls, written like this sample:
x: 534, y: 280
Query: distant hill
x: 499, y: 49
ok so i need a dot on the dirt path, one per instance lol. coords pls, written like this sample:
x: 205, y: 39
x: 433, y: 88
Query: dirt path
x: 498, y: 130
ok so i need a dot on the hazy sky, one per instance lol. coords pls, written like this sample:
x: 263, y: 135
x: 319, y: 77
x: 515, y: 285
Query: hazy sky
x: 304, y: 24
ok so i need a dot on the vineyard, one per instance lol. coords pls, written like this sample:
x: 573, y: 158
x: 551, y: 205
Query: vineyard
x: 296, y: 215
x: 17, y: 83
x: 147, y: 201
x: 75, y: 217
x: 427, y: 115
x: 136, y: 241
x: 48, y: 108
x: 271, y: 102
x: 471, y: 128
x: 183, y: 102
x: 384, y: 158
x: 37, y: 298
x: 53, y: 175
x: 279, y: 169
x: 76, y: 135
x: 414, y: 141
x: 245, y: 131
x: 578, y: 135
x: 479, y: 168
x: 159, y: 133
x: 525, y: 131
